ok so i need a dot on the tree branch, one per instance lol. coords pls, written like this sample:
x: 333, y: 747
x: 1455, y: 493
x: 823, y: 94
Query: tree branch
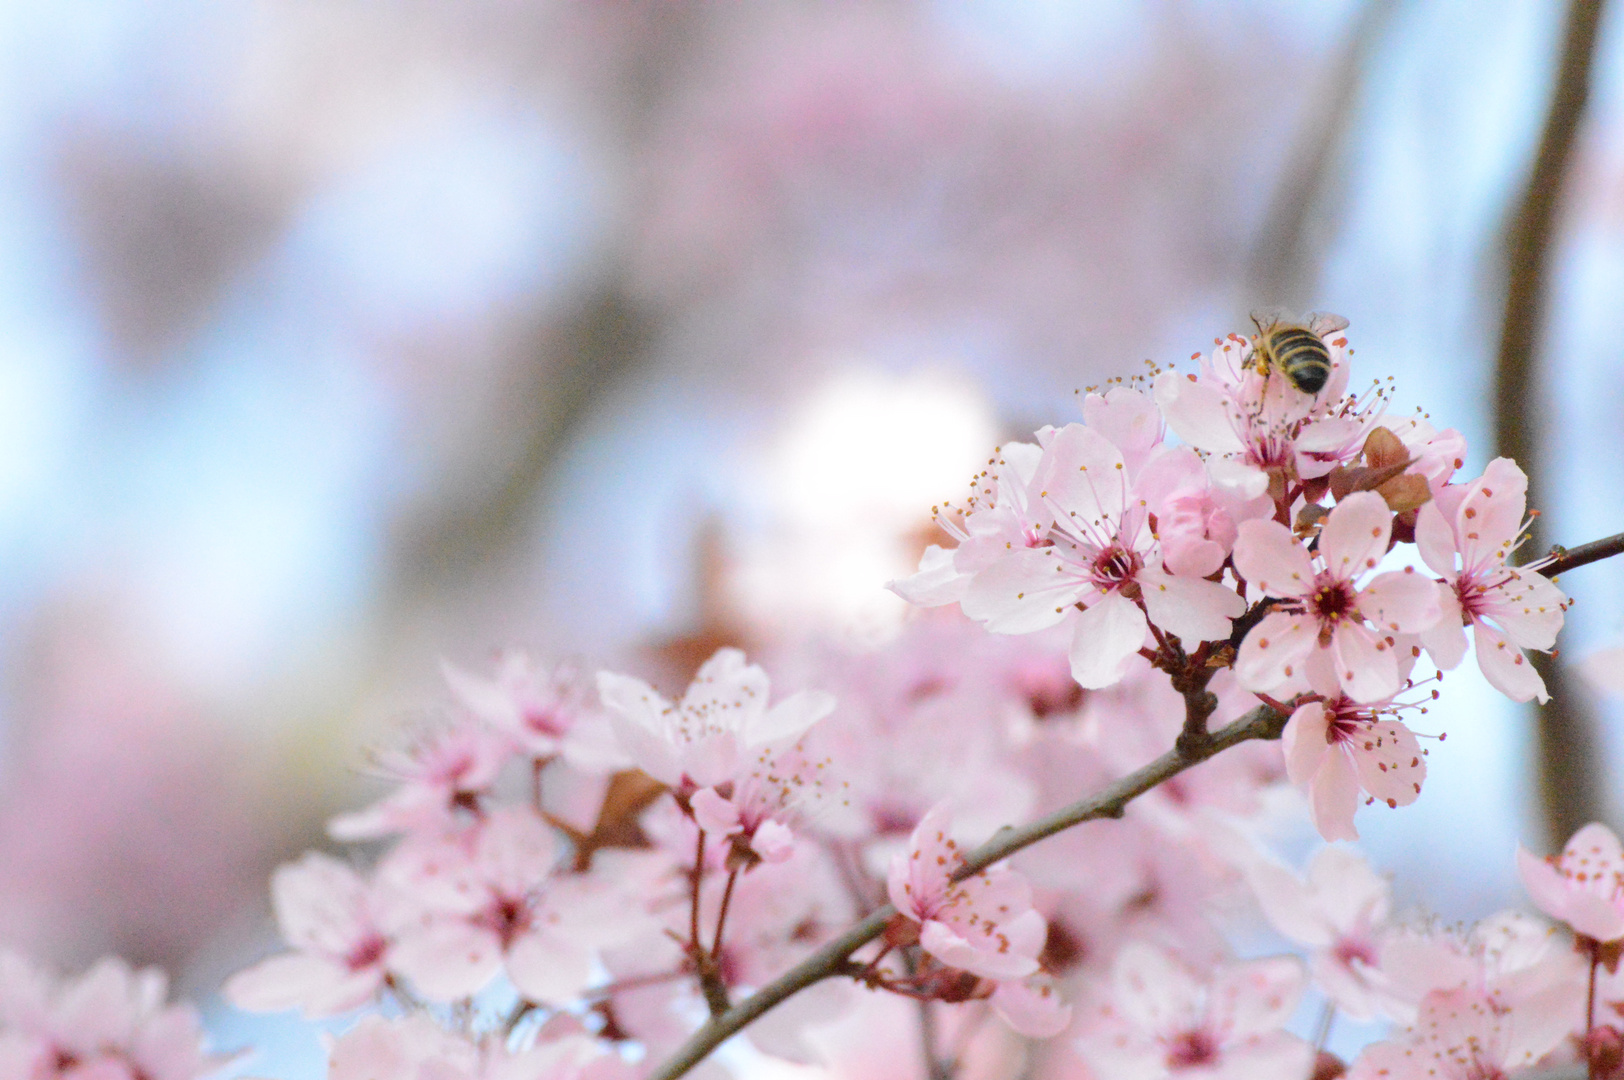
x: 832, y: 958
x: 1570, y: 785
x: 1565, y: 559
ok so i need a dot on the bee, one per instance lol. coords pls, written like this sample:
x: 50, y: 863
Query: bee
x: 1294, y: 348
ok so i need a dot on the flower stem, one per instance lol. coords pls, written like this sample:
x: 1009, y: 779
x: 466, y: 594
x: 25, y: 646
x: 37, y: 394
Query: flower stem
x: 693, y: 908
x: 1327, y: 1018
x: 1590, y: 1008
x: 721, y: 918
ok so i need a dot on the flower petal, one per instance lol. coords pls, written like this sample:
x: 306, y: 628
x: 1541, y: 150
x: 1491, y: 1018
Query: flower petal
x: 1032, y: 1007
x: 1334, y: 798
x: 1491, y: 515
x: 637, y: 716
x: 1304, y: 742
x: 319, y: 986
x: 550, y: 968
x: 936, y: 582
x: 790, y: 718
x: 1355, y: 534
x: 1257, y: 996
x: 979, y: 955
x: 1023, y: 592
x: 1402, y: 601
x: 448, y: 959
x: 1390, y: 764
x: 918, y: 879
x: 1275, y: 650
x: 715, y: 815
x: 1153, y: 990
x: 319, y: 903
x: 1107, y: 637
x: 1365, y: 663
x: 1198, y: 413
x: 1433, y: 538
x: 1505, y: 666
x: 1445, y: 640
x: 1084, y: 478
x: 1193, y: 608
x: 1271, y: 559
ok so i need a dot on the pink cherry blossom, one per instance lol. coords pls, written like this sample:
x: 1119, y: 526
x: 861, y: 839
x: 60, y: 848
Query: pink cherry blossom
x: 913, y: 730
x: 1164, y: 1020
x: 984, y: 924
x: 1338, y: 750
x: 718, y: 731
x: 442, y: 772
x: 1032, y: 1006
x: 1263, y: 422
x: 546, y: 713
x: 1003, y: 512
x: 760, y: 809
x: 1197, y: 506
x: 1102, y: 554
x: 1325, y: 608
x: 1509, y: 957
x: 1508, y: 608
x: 327, y: 912
x: 110, y: 1023
x: 1583, y: 886
x: 1339, y: 910
x: 1462, y: 1034
x: 486, y: 899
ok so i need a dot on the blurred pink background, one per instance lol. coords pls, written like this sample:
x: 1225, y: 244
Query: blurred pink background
x: 338, y: 338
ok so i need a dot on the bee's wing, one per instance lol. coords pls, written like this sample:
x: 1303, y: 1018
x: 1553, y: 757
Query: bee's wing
x: 1323, y: 322
x: 1263, y: 318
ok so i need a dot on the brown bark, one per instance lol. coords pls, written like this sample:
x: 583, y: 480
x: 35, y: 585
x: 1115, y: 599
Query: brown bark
x: 1569, y: 781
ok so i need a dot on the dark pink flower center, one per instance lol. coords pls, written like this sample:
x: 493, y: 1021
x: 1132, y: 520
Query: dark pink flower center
x: 449, y: 768
x: 367, y: 953
x: 545, y: 721
x: 890, y: 819
x: 507, y: 917
x: 1333, y: 601
x: 1349, y: 949
x: 1344, y: 727
x: 1115, y: 565
x: 1189, y: 1049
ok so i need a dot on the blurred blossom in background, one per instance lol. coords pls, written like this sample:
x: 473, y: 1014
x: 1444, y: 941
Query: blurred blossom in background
x: 338, y: 338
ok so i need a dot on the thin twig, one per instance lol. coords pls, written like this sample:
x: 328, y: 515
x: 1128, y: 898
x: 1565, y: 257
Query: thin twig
x: 1568, y: 558
x: 935, y: 1069
x: 693, y: 910
x: 831, y: 959
x: 721, y: 919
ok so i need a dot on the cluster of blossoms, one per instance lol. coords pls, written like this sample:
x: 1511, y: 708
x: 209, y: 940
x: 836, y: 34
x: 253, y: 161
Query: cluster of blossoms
x: 578, y: 871
x: 110, y: 1023
x: 1268, y: 542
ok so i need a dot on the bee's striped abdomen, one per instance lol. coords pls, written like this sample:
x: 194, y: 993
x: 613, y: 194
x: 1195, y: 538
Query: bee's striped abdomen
x: 1301, y: 356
